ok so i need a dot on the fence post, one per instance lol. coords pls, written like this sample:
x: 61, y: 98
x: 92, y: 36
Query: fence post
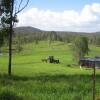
x: 94, y: 80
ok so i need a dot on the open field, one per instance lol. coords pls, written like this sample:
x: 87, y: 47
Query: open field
x: 33, y: 79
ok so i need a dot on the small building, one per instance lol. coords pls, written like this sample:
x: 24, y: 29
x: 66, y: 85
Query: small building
x: 90, y: 62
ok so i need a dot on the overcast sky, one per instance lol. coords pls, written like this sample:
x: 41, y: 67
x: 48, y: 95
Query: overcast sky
x: 62, y: 15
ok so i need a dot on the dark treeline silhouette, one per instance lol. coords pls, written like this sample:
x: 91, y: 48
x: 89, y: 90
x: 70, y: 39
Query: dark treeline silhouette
x: 66, y: 37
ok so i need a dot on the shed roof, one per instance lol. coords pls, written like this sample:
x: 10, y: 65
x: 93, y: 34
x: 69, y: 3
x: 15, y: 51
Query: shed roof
x: 91, y: 59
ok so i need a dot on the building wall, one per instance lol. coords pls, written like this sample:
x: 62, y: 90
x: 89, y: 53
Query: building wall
x: 97, y: 64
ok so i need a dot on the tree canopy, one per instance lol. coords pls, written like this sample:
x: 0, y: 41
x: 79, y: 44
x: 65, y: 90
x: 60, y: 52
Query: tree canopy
x: 80, y: 47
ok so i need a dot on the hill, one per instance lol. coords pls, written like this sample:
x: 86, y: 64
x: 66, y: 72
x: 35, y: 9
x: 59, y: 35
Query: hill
x: 26, y: 30
x: 29, y: 30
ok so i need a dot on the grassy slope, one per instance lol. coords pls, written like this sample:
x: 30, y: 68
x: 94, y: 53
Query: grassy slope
x: 35, y: 80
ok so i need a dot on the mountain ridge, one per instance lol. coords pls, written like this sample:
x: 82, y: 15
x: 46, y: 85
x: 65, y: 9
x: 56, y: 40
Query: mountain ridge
x: 26, y: 29
x: 29, y: 29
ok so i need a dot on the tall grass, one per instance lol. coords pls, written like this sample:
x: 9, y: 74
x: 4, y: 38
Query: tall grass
x: 48, y: 87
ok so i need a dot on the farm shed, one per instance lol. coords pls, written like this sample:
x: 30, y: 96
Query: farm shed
x: 90, y: 62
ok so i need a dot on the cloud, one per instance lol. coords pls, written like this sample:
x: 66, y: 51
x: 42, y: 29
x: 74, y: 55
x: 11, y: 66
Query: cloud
x: 96, y: 7
x: 88, y: 19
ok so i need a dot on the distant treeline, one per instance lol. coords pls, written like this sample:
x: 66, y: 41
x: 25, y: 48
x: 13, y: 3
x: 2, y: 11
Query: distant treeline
x: 66, y: 37
x: 19, y: 39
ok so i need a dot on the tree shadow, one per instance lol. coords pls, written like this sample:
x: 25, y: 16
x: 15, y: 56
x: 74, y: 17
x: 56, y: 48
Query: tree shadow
x: 47, y: 77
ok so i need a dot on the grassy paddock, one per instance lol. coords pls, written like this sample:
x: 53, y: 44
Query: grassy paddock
x: 34, y: 80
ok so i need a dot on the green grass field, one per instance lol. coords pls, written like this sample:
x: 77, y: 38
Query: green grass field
x: 33, y: 79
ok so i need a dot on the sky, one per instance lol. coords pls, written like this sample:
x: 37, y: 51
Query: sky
x: 62, y: 15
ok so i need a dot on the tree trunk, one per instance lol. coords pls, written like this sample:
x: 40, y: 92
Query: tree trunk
x: 10, y: 38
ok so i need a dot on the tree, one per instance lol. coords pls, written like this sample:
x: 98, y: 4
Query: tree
x: 19, y: 43
x: 10, y: 9
x: 1, y: 40
x: 97, y: 41
x: 80, y: 47
x: 51, y: 37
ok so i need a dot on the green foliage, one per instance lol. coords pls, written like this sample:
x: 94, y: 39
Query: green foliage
x: 51, y: 37
x: 66, y: 37
x: 1, y: 39
x: 80, y: 47
x: 6, y: 5
x: 98, y: 41
x: 6, y: 17
x: 19, y: 43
